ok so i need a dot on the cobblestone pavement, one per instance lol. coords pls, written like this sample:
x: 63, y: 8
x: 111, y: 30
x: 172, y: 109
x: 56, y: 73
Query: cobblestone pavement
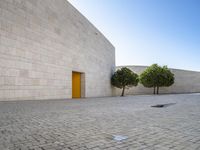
x: 92, y: 123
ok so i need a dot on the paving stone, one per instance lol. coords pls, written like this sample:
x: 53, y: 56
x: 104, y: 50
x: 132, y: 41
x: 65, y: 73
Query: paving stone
x: 90, y: 124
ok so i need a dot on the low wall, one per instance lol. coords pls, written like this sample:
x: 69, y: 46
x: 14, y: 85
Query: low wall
x: 185, y: 82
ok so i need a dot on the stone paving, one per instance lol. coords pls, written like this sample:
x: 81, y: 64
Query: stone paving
x: 92, y: 123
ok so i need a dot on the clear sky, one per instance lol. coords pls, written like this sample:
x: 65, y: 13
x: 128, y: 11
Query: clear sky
x: 144, y: 32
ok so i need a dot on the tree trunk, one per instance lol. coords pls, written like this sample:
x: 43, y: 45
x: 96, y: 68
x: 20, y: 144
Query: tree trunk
x: 154, y: 90
x: 123, y: 89
x: 157, y: 89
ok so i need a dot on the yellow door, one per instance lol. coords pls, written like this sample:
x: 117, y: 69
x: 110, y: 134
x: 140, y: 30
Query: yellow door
x: 76, y: 85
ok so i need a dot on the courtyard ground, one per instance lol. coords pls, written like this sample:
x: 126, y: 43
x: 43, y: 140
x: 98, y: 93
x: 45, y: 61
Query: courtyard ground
x: 92, y: 124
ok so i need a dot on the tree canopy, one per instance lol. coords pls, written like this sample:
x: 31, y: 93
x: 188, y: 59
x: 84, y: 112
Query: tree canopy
x: 156, y: 76
x: 124, y: 78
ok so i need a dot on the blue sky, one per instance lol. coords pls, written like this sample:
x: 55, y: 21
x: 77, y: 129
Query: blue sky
x: 144, y: 32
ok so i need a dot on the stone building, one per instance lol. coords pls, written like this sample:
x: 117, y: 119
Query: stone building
x: 48, y: 50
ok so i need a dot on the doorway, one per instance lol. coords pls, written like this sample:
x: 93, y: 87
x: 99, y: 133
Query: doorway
x: 76, y: 85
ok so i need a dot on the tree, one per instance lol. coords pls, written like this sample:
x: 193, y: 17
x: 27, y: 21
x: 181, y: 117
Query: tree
x: 124, y: 78
x: 168, y: 76
x: 156, y: 76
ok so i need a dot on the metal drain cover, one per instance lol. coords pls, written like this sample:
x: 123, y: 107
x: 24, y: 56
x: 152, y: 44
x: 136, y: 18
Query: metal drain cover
x: 119, y: 137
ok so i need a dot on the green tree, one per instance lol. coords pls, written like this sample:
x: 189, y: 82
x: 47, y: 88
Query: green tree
x: 124, y: 78
x: 168, y: 77
x: 156, y: 76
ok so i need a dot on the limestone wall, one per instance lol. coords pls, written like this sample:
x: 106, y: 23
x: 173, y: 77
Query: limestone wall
x: 185, y: 82
x: 42, y: 42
